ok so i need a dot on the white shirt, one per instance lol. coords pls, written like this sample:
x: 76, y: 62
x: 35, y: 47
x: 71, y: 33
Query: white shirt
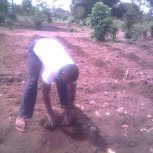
x: 53, y: 57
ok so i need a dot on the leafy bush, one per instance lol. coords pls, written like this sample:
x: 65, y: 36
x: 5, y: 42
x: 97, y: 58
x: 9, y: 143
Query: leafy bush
x: 100, y: 21
x: 38, y: 19
x: 132, y: 16
x: 138, y: 30
x: 114, y: 27
x: 60, y: 13
x: 79, y: 12
x: 2, y: 19
x: 128, y: 34
x: 71, y: 19
x: 49, y: 17
x: 12, y: 16
x: 151, y: 31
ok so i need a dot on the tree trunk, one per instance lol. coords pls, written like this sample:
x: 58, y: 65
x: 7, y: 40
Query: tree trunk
x: 12, y: 7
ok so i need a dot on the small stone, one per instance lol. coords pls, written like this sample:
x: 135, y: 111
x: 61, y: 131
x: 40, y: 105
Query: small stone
x: 92, y: 102
x: 93, y: 129
x: 125, y: 126
x: 151, y: 150
x: 110, y: 151
x: 97, y: 113
x: 149, y: 116
x: 107, y: 113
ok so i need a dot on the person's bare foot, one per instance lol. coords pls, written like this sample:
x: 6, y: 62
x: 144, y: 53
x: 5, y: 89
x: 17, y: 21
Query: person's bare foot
x: 20, y: 124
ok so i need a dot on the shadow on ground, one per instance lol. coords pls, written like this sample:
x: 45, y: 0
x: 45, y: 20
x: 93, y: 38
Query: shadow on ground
x: 81, y: 129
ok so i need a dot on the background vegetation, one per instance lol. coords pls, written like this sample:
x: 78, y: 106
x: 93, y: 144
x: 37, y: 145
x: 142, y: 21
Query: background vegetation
x: 104, y: 17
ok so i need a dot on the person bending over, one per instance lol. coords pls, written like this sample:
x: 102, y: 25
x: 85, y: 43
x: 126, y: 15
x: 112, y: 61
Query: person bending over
x: 49, y: 57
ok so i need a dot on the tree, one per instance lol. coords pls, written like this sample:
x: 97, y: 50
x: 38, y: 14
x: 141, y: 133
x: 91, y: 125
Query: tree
x: 27, y: 6
x: 45, y: 9
x: 132, y: 16
x: 79, y: 12
x: 87, y: 5
x: 60, y: 13
x: 100, y: 20
x: 110, y: 3
x: 3, y: 7
x: 38, y: 18
x: 149, y: 3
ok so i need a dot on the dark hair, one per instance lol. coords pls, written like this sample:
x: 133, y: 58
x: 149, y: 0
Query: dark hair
x: 71, y: 71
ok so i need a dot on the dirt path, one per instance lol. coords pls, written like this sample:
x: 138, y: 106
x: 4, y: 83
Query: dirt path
x: 114, y: 110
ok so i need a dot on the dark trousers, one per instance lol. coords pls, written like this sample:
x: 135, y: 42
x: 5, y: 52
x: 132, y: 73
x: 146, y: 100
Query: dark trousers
x: 30, y: 92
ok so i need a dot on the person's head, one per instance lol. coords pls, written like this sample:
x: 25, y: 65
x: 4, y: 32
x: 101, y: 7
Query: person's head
x: 69, y: 73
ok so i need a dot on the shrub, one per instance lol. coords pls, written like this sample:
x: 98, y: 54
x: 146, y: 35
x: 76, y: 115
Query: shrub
x: 128, y: 34
x: 38, y: 19
x: 2, y: 19
x: 132, y: 17
x: 100, y: 21
x: 114, y: 27
x: 12, y: 16
x: 151, y: 31
x: 49, y: 17
x: 71, y: 19
x: 138, y: 30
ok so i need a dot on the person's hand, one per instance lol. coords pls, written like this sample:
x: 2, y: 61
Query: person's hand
x: 51, y: 121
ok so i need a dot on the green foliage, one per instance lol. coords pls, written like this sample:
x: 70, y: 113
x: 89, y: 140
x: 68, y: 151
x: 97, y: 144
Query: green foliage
x: 2, y: 18
x: 150, y: 2
x: 18, y: 9
x: 132, y: 16
x: 12, y: 16
x: 27, y: 6
x: 41, y: 4
x: 114, y: 28
x: 138, y: 30
x: 44, y: 8
x: 3, y: 7
x: 49, y: 17
x: 151, y: 29
x: 79, y: 12
x: 70, y: 19
x: 100, y: 20
x: 60, y: 14
x: 82, y: 8
x: 38, y: 19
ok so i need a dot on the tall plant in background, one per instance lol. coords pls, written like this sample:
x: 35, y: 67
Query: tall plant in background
x: 38, y: 14
x: 82, y: 8
x: 132, y: 16
x: 38, y: 18
x: 27, y: 6
x: 3, y: 7
x: 3, y: 10
x: 100, y: 20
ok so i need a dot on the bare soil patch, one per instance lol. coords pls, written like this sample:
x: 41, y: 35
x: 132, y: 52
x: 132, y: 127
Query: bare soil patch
x: 114, y: 102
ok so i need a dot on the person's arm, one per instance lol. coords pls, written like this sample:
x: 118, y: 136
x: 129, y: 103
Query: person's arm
x: 46, y: 91
x: 71, y: 98
x: 71, y: 94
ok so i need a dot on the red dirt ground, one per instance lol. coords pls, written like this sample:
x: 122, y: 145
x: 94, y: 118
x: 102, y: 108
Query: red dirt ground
x: 114, y: 102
